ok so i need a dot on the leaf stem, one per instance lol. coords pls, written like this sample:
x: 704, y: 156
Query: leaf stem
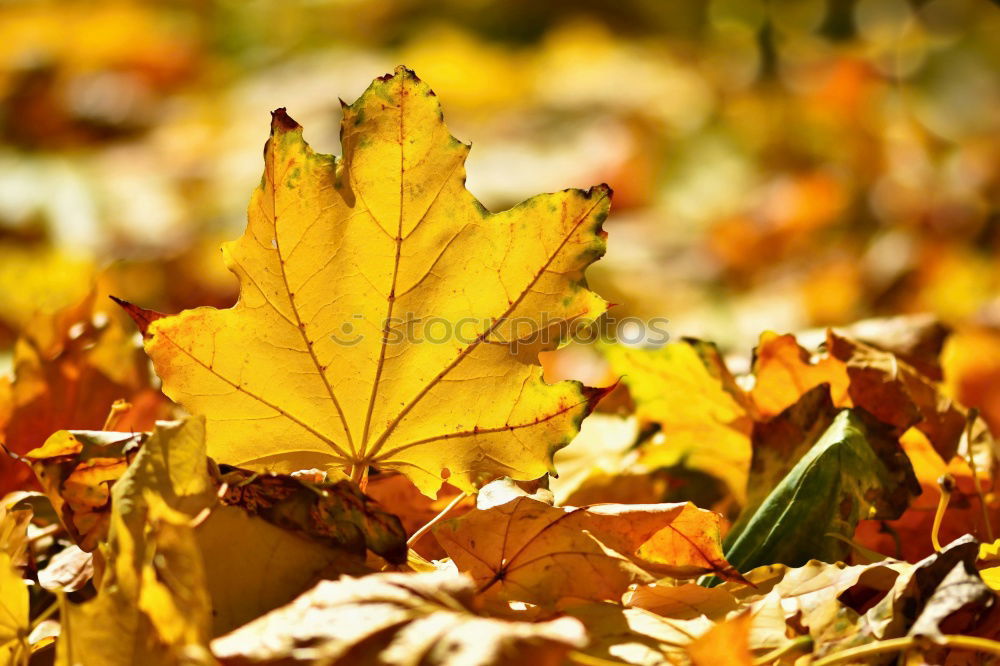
x: 359, y: 475
x: 800, y: 643
x: 969, y: 421
x: 46, y: 614
x: 423, y: 530
x: 118, y: 409
x: 905, y: 643
x: 947, y: 484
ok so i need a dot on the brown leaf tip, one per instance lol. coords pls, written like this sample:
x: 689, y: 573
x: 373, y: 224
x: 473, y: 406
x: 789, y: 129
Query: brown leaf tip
x: 280, y: 120
x: 602, y: 190
x: 595, y: 394
x: 142, y: 317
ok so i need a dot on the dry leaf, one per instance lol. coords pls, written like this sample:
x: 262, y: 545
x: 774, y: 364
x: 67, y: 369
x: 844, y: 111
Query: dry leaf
x: 401, y: 619
x: 414, y: 509
x: 897, y: 394
x: 70, y: 569
x: 728, y: 642
x: 527, y: 550
x: 77, y: 469
x: 784, y: 371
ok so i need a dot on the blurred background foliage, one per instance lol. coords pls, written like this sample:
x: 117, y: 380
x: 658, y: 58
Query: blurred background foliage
x: 777, y: 165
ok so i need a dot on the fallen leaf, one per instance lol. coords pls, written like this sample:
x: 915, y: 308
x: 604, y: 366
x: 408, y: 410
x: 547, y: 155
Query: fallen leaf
x: 73, y: 384
x: 855, y: 470
x: 596, y: 457
x: 784, y: 371
x: 70, y: 569
x: 682, y: 601
x: 14, y: 625
x: 960, y: 600
x: 637, y: 636
x: 414, y: 509
x: 274, y: 563
x: 916, y: 339
x: 14, y: 521
x: 335, y: 513
x: 780, y: 442
x: 151, y: 601
x: 898, y: 394
x: 152, y: 598
x: 345, y: 264
x: 390, y: 618
x: 728, y: 642
x: 76, y: 469
x: 685, y: 388
x: 526, y: 550
x: 899, y: 610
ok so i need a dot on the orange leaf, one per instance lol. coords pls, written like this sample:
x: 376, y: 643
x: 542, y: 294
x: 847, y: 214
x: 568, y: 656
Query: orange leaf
x: 527, y: 550
x: 784, y: 371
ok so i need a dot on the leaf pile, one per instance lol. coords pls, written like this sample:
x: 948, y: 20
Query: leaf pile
x: 344, y: 486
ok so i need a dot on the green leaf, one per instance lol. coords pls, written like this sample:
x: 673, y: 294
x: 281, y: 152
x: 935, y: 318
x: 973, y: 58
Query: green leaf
x: 855, y: 471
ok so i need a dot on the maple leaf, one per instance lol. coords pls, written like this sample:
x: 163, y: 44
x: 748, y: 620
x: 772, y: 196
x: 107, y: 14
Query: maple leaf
x: 311, y: 365
x: 14, y: 624
x: 524, y: 549
x: 704, y: 416
x: 426, y: 618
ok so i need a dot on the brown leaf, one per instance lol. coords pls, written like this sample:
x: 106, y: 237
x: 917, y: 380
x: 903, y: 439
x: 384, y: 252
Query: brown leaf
x: 69, y: 570
x: 916, y: 339
x: 392, y: 618
x: 336, y: 513
x: 898, y: 394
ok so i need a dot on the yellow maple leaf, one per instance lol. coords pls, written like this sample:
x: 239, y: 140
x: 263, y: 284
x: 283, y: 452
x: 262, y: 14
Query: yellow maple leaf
x: 14, y: 624
x: 381, y: 308
x: 686, y: 389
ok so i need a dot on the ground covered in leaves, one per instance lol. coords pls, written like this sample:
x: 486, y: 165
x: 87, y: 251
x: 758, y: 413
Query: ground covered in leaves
x: 315, y: 475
